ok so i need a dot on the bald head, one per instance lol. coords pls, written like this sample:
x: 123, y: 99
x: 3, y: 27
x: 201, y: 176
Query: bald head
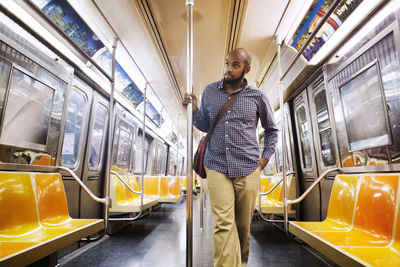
x: 242, y: 54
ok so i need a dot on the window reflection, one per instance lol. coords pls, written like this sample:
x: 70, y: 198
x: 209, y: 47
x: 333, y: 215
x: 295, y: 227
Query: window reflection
x: 324, y: 129
x: 304, y: 132
x: 73, y: 128
x: 364, y: 110
x: 138, y: 154
x: 97, y: 138
x: 5, y: 68
x: 29, y: 104
x: 125, y: 139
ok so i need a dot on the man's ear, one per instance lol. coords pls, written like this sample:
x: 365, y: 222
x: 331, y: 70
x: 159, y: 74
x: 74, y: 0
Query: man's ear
x: 247, y: 69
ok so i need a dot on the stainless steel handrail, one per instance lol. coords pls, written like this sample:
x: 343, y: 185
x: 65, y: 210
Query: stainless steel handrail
x: 93, y: 196
x: 311, y: 187
x: 127, y: 185
x: 272, y: 189
x: 266, y: 193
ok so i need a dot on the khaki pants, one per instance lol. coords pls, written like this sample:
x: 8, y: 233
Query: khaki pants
x: 232, y: 203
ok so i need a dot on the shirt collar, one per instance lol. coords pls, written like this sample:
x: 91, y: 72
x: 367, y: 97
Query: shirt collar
x: 220, y: 85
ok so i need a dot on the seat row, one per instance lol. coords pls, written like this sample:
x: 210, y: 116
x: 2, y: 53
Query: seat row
x: 272, y: 203
x: 34, y: 218
x: 362, y: 227
x: 157, y: 189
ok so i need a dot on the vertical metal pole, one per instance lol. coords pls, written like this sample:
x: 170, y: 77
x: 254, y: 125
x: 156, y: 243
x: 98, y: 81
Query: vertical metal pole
x: 201, y: 204
x: 283, y: 132
x: 110, y: 136
x: 143, y: 148
x: 177, y: 150
x: 189, y: 171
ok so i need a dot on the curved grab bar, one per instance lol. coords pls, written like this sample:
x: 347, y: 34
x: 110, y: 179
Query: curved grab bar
x: 272, y: 189
x: 101, y: 200
x: 123, y: 181
x: 311, y: 187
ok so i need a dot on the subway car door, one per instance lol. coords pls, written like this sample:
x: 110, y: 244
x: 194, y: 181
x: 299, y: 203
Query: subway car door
x: 324, y: 138
x: 75, y: 131
x: 94, y: 164
x: 310, y: 206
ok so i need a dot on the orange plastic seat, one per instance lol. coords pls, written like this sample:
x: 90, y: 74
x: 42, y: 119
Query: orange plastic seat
x: 374, y: 214
x: 169, y: 189
x: 33, y: 226
x: 366, y: 239
x: 341, y: 206
x: 19, y: 212
x: 52, y: 203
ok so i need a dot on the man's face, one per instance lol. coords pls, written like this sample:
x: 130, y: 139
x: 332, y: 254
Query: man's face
x: 234, y: 68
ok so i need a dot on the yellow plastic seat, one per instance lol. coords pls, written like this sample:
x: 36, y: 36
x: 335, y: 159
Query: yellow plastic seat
x: 8, y: 248
x: 52, y: 203
x: 151, y: 186
x: 362, y: 235
x: 26, y: 230
x: 273, y: 202
x: 123, y: 200
x: 170, y: 189
x: 18, y: 211
x: 374, y: 214
x: 341, y: 206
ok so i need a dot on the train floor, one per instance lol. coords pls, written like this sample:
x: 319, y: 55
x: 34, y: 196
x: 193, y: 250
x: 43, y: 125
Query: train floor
x: 159, y: 239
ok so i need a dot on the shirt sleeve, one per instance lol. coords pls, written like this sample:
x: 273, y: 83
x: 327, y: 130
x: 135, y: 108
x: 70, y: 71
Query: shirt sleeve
x: 271, y: 131
x: 200, y: 116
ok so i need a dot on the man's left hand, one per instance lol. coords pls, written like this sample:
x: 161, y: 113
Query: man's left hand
x: 263, y: 163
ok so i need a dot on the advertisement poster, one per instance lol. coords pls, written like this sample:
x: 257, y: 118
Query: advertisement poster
x: 65, y: 17
x: 313, y: 17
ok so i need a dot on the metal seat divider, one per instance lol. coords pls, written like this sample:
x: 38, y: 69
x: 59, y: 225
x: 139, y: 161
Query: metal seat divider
x: 93, y: 196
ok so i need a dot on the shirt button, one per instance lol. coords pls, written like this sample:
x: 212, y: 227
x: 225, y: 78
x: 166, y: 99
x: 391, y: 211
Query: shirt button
x: 226, y: 122
x: 226, y: 135
x: 229, y: 111
x: 227, y: 148
x: 229, y: 97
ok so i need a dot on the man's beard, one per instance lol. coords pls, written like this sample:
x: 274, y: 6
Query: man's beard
x: 226, y: 81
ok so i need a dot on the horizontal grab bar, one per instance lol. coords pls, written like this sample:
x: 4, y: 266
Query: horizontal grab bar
x: 311, y: 187
x: 123, y: 181
x: 101, y: 200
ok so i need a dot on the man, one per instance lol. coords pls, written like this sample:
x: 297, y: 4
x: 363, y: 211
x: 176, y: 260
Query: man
x: 232, y: 160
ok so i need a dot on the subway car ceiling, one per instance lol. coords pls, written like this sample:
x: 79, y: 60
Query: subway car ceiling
x: 151, y: 47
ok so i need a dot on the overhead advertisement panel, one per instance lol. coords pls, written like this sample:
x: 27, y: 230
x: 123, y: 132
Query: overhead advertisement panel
x: 315, y: 14
x: 65, y: 17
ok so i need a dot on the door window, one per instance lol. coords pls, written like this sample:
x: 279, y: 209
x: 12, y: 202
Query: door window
x: 324, y: 129
x: 304, y: 132
x: 97, y: 137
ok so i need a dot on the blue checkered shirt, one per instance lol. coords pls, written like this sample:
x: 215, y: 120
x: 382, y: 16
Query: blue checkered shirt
x: 233, y: 147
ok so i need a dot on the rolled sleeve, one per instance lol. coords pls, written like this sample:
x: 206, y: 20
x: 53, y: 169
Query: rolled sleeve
x: 201, y: 118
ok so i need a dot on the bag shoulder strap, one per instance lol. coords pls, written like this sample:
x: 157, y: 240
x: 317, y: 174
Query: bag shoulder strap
x: 221, y: 113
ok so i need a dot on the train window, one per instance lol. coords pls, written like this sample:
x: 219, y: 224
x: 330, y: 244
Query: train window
x: 302, y: 126
x: 73, y: 128
x: 138, y: 154
x: 324, y: 128
x: 29, y: 105
x: 364, y: 109
x: 125, y: 138
x: 5, y: 68
x: 97, y: 138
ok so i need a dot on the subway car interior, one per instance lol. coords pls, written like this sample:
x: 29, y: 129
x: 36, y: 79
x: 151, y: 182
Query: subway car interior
x: 110, y: 182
